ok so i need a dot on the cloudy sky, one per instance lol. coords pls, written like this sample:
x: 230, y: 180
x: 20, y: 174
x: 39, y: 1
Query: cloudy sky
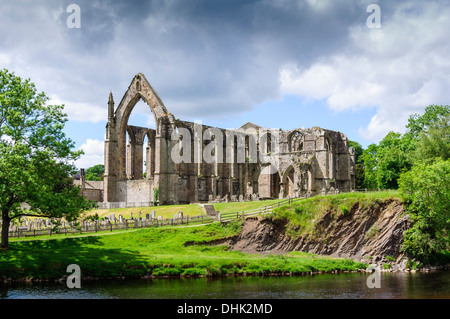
x: 277, y: 63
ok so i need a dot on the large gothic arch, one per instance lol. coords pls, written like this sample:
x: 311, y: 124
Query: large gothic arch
x: 300, y: 161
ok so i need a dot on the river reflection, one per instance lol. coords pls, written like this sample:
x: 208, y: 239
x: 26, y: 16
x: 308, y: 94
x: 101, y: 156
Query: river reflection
x: 325, y: 286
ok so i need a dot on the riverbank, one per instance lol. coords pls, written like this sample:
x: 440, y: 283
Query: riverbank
x: 156, y: 253
x: 331, y: 234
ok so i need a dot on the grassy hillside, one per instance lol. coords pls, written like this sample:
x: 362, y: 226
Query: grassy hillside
x: 157, y: 252
x: 302, y: 215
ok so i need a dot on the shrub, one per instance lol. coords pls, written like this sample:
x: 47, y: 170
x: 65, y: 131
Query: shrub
x: 426, y: 192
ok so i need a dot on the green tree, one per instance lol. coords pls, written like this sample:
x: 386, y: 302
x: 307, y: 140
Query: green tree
x: 435, y: 141
x: 370, y: 160
x: 36, y: 158
x: 95, y: 173
x: 386, y: 161
x: 433, y: 114
x: 426, y: 192
x: 394, y: 157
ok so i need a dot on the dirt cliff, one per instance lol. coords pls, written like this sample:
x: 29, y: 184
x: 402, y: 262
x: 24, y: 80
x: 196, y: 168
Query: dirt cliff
x: 365, y: 234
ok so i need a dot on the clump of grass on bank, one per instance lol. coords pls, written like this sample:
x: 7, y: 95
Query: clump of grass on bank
x: 157, y: 252
x: 304, y: 214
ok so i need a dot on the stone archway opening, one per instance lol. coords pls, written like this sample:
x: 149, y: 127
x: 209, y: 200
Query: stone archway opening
x: 269, y: 182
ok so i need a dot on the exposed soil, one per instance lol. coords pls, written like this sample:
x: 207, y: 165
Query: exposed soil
x: 367, y: 235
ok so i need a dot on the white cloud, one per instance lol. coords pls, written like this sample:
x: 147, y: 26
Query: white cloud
x: 399, y: 69
x: 93, y: 154
x: 83, y: 112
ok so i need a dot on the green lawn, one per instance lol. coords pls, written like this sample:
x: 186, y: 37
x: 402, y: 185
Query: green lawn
x: 169, y: 211
x: 154, y: 251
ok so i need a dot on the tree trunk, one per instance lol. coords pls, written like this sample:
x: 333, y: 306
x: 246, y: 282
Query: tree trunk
x: 5, y: 229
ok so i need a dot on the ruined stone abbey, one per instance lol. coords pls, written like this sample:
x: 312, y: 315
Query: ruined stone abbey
x: 186, y: 162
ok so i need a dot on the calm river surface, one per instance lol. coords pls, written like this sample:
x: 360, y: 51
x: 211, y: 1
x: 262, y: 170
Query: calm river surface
x: 342, y: 286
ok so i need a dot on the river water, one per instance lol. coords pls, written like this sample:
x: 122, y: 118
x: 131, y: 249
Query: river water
x: 398, y: 285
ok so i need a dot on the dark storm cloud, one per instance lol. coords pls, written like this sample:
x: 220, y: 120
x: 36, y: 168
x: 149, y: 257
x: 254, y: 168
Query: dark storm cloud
x: 205, y: 58
x: 212, y: 57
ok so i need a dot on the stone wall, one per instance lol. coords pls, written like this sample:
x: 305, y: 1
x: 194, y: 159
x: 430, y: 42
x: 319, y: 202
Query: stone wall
x: 251, y: 161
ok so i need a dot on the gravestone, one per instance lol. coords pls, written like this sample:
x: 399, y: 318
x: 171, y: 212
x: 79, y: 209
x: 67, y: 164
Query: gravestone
x: 241, y: 198
x: 153, y: 214
x: 210, y: 210
x: 147, y: 216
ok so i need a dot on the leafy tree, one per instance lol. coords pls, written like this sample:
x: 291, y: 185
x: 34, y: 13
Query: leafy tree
x: 36, y: 158
x: 370, y: 159
x: 419, y: 123
x: 394, y: 157
x: 386, y: 161
x: 359, y: 176
x: 435, y: 141
x: 426, y: 191
x: 95, y: 173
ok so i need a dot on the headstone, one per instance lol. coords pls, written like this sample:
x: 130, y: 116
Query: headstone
x: 180, y: 214
x: 233, y: 198
x: 153, y: 214
x: 131, y: 216
x: 210, y: 198
x: 147, y: 216
x: 120, y: 219
x: 160, y: 218
x: 323, y: 191
x: 241, y: 198
x: 140, y: 218
x: 210, y: 210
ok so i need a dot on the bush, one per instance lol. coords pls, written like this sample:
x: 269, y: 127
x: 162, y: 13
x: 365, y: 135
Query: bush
x: 426, y: 192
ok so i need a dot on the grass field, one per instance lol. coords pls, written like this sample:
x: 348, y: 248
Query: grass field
x: 154, y: 251
x: 170, y: 211
x: 165, y: 251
